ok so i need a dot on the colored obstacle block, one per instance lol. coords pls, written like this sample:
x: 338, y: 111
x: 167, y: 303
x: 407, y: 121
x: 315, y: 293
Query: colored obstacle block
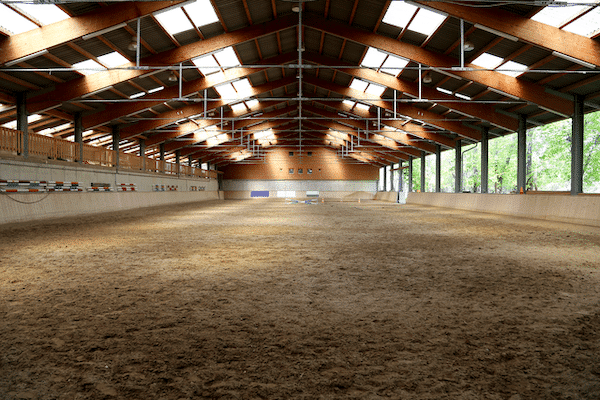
x: 259, y: 193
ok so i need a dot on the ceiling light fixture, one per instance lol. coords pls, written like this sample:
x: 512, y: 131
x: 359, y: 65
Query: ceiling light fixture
x: 172, y: 77
x: 468, y: 46
x: 132, y: 46
x: 427, y: 78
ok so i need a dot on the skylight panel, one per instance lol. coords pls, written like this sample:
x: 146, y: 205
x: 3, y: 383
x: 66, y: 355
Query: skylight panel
x: 445, y: 91
x: 226, y: 91
x: 252, y: 103
x: 44, y: 13
x: 136, y: 95
x: 426, y: 22
x: 348, y: 103
x: 202, y: 12
x: 206, y: 64
x: 512, y: 68
x: 373, y: 59
x: 113, y: 59
x: 266, y: 134
x: 394, y: 65
x: 13, y: 22
x: 376, y: 90
x: 227, y: 58
x: 174, y: 21
x: 399, y: 13
x: 88, y: 67
x: 239, y: 108
x: 11, y: 124
x: 487, y: 60
x: 587, y: 25
x: 358, y: 84
x: 558, y: 15
x: 362, y: 106
x: 243, y: 87
x: 50, y: 131
x: 462, y: 96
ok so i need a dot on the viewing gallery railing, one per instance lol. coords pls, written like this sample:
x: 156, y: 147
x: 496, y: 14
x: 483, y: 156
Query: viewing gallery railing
x: 60, y: 149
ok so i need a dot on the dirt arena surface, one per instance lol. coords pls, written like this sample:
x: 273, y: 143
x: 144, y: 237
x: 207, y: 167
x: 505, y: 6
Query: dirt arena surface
x: 264, y: 300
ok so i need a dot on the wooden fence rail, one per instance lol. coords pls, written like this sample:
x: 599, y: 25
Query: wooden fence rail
x: 59, y: 149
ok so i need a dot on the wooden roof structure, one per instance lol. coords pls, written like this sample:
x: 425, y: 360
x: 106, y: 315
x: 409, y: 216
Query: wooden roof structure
x: 265, y: 73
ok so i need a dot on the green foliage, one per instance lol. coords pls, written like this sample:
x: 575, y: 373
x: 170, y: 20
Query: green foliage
x: 548, y: 161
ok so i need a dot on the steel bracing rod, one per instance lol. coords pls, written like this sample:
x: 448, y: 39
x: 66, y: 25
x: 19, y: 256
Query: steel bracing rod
x: 151, y: 68
x: 300, y: 72
x: 338, y: 99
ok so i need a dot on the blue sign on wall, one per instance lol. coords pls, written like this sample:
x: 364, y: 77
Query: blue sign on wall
x: 259, y: 193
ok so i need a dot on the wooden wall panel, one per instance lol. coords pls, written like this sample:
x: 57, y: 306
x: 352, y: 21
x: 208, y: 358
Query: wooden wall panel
x: 324, y: 163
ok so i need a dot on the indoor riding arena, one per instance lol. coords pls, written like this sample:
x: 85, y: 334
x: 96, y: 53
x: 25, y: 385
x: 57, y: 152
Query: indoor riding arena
x: 315, y: 199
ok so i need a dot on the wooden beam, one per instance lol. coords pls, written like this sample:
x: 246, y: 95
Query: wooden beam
x: 169, y: 117
x: 482, y: 111
x: 528, y: 30
x: 48, y: 36
x: 428, y: 117
x: 90, y: 83
x: 521, y: 89
x: 115, y: 111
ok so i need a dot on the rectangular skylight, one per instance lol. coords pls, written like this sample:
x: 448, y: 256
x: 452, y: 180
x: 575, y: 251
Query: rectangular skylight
x: 399, y: 13
x: 50, y: 131
x: 359, y: 85
x: 174, y: 21
x: 243, y: 87
x: 44, y: 13
x: 362, y: 106
x: 252, y: 103
x: 264, y: 134
x: 113, y: 59
x: 202, y: 12
x: 13, y: 22
x: 239, y: 108
x: 587, y: 25
x: 348, y: 103
x: 88, y: 67
x: 136, y: 95
x: 487, y: 60
x: 462, y: 96
x: 558, y: 15
x: 445, y: 91
x: 394, y: 65
x: 512, y: 68
x: 227, y: 58
x: 375, y: 90
x: 374, y: 58
x: 426, y: 22
x: 206, y: 64
x: 226, y: 91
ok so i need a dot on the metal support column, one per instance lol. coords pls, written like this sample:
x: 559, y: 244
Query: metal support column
x: 178, y: 161
x: 22, y: 122
x: 79, y: 136
x: 161, y: 149
x: 143, y: 153
x: 522, y: 154
x: 423, y: 189
x: 484, y: 159
x: 438, y: 168
x: 458, y: 167
x: 401, y: 172
x: 116, y: 138
x: 410, y: 174
x: 384, y: 179
x: 577, y: 147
